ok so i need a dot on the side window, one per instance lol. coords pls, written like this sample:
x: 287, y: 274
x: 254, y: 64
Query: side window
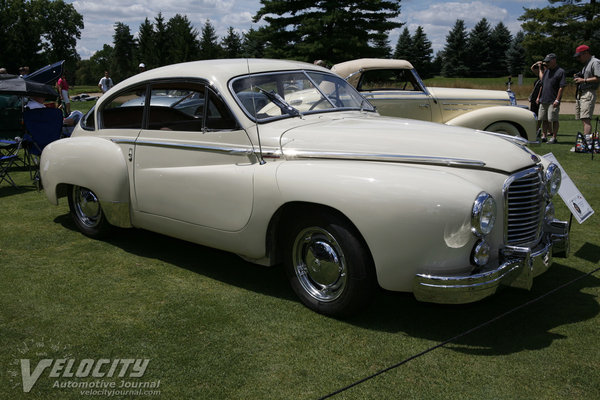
x: 218, y: 115
x: 176, y: 106
x: 125, y: 110
x: 389, y: 79
x: 87, y: 122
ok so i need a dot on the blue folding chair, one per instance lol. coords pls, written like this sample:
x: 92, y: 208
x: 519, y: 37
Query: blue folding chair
x: 8, y: 157
x: 43, y: 126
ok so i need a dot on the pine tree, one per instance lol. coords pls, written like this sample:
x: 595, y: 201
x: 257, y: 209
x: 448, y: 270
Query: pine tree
x: 403, y: 49
x: 146, y: 52
x: 478, y: 54
x: 209, y: 42
x: 253, y: 44
x: 123, y: 51
x: 515, y: 55
x: 500, y: 41
x: 421, y: 53
x: 161, y: 41
x: 325, y: 29
x: 184, y: 45
x: 559, y: 28
x: 232, y: 44
x: 455, y: 51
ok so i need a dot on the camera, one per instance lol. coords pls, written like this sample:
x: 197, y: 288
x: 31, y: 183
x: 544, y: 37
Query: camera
x: 578, y: 75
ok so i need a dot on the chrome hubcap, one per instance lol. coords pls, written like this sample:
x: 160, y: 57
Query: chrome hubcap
x: 87, y: 206
x: 319, y: 264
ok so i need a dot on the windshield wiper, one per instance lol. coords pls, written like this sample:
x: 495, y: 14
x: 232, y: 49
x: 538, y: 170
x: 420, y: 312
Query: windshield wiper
x: 280, y: 102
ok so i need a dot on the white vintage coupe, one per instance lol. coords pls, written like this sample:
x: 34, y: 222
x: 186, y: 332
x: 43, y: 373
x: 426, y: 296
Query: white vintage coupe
x: 285, y: 162
x: 396, y: 89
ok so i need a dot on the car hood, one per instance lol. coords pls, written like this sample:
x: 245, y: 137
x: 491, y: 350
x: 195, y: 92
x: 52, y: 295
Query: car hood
x: 375, y: 138
x: 442, y: 93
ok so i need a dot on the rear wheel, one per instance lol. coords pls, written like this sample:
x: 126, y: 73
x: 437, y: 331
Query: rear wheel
x: 328, y: 265
x: 87, y: 212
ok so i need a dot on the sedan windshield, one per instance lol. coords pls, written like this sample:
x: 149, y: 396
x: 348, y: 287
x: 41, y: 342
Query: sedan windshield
x: 269, y: 96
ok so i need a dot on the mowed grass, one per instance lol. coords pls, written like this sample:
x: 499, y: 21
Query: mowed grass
x: 522, y: 92
x: 217, y: 327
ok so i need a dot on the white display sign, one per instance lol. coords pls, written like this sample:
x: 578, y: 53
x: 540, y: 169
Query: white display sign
x: 569, y: 193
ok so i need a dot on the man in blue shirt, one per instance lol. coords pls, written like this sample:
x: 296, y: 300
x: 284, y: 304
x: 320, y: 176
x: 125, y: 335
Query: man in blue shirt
x: 553, y: 84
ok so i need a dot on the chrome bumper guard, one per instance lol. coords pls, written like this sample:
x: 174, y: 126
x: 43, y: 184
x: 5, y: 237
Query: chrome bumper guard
x: 518, y: 266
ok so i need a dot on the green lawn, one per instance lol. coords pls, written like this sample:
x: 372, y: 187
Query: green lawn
x: 217, y: 327
x: 522, y: 92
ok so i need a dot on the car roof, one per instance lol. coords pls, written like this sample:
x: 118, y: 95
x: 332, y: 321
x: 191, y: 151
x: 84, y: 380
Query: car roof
x: 221, y: 70
x: 349, y: 67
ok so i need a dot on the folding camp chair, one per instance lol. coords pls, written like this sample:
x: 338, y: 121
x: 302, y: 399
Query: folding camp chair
x: 8, y: 157
x: 43, y: 126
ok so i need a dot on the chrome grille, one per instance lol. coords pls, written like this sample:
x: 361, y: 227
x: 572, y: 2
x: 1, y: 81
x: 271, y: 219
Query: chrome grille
x: 523, y: 195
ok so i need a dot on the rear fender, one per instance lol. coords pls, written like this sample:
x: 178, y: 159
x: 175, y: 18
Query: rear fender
x: 481, y: 118
x: 95, y: 163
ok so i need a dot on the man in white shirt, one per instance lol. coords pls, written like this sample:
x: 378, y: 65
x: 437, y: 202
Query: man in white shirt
x: 105, y: 83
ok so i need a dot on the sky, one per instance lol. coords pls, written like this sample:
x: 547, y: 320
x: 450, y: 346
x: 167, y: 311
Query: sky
x: 436, y: 17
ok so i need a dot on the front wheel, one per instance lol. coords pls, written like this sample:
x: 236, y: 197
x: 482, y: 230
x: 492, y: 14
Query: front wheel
x: 87, y: 213
x: 504, y: 127
x: 328, y: 265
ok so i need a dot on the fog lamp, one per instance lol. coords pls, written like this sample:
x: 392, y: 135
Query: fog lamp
x: 481, y: 253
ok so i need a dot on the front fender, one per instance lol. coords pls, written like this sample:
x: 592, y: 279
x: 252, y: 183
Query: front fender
x: 413, y: 219
x: 92, y: 162
x: 484, y: 117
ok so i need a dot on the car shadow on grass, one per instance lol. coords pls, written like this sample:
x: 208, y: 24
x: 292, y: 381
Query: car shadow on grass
x: 215, y: 264
x: 531, y: 327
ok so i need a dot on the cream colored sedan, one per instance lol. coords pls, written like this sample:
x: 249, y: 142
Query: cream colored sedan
x: 285, y: 162
x: 396, y: 89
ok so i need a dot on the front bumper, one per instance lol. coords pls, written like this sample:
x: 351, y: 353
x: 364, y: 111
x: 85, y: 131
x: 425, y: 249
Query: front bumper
x: 518, y: 266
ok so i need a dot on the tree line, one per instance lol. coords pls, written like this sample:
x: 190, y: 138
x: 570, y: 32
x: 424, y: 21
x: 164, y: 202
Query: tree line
x: 38, y: 32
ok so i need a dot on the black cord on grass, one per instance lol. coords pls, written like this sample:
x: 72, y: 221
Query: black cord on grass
x: 391, y: 367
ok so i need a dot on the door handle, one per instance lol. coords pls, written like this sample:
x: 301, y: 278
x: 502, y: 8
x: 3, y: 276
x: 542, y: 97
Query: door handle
x: 424, y: 105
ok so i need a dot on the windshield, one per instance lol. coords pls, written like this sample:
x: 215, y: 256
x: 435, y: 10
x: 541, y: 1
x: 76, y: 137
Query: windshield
x: 269, y: 96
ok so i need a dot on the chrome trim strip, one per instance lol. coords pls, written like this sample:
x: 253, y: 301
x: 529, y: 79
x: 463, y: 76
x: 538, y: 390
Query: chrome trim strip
x: 184, y: 146
x: 391, y: 92
x: 516, y: 139
x: 470, y: 102
x: 399, y: 158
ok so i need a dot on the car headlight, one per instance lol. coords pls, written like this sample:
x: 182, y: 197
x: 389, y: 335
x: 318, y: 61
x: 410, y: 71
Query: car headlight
x: 553, y: 179
x: 483, y: 215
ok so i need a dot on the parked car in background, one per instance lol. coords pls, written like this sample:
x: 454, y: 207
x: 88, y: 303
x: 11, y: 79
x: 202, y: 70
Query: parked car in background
x: 285, y: 162
x: 396, y: 89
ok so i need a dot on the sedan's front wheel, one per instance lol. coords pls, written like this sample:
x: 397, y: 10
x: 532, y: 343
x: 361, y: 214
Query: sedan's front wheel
x: 87, y: 213
x: 328, y: 265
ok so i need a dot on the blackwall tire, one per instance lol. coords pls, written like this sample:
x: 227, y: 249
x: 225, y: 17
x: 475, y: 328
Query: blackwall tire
x: 328, y: 265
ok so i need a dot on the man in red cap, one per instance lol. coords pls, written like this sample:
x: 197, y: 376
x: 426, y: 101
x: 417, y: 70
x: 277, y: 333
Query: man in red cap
x: 587, y: 81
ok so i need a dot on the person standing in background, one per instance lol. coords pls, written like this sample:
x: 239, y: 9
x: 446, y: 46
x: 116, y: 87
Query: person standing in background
x: 587, y: 84
x: 63, y: 88
x: 553, y: 84
x: 105, y: 83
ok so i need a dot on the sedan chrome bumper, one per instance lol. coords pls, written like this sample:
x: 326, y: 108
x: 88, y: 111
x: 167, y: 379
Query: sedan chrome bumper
x: 518, y: 266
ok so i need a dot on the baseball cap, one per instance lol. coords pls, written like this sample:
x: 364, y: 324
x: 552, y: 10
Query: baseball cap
x: 142, y: 65
x: 549, y: 57
x: 581, y: 49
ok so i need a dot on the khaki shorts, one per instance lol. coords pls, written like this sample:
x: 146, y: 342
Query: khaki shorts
x: 584, y: 106
x: 548, y: 112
